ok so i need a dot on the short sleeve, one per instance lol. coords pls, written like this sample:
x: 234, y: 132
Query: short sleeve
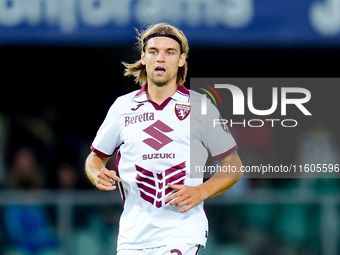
x: 217, y: 137
x: 108, y: 135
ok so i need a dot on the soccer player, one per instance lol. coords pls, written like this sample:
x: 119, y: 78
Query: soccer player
x: 150, y: 128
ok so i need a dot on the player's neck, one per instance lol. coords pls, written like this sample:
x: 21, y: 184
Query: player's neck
x: 159, y: 94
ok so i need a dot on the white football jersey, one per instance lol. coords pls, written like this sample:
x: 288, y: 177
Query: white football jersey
x: 154, y: 150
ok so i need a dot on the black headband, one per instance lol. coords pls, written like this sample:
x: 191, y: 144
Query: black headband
x: 160, y: 35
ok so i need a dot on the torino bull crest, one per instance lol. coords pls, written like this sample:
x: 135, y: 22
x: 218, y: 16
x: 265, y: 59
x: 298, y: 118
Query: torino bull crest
x: 182, y: 111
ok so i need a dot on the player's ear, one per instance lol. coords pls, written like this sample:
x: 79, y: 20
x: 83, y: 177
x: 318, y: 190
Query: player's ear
x: 142, y: 58
x: 182, y: 60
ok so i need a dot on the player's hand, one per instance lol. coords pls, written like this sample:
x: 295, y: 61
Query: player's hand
x: 106, y: 179
x: 187, y: 196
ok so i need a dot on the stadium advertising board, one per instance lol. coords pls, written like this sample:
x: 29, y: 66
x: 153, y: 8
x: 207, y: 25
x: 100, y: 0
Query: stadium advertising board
x: 205, y: 22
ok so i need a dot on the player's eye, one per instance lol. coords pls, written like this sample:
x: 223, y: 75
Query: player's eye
x: 170, y: 53
x: 153, y: 52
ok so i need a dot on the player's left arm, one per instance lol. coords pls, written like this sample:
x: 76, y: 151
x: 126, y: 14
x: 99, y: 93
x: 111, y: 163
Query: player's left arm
x: 221, y: 182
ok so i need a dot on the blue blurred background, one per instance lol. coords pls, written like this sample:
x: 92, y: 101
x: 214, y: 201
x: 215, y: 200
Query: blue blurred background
x: 61, y: 71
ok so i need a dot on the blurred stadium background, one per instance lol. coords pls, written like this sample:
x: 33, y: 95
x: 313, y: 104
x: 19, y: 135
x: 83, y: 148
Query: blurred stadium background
x: 61, y: 71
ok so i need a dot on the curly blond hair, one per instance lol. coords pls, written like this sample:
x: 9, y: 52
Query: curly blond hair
x: 138, y: 70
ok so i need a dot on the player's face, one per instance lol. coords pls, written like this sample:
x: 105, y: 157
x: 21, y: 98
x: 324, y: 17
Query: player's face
x: 162, y: 58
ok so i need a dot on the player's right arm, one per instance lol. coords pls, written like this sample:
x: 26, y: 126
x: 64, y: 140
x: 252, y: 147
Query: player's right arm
x: 98, y: 174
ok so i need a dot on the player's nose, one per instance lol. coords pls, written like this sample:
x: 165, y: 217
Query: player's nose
x: 161, y: 56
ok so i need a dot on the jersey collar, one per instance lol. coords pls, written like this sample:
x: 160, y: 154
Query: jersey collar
x: 182, y: 94
x: 141, y: 95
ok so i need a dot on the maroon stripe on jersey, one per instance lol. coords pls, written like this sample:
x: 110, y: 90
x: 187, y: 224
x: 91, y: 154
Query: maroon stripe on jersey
x: 176, y: 177
x: 146, y: 188
x: 198, y: 249
x: 168, y: 190
x: 227, y: 153
x: 121, y: 188
x: 144, y: 179
x: 117, y: 162
x: 143, y: 89
x: 174, y: 168
x: 183, y: 90
x: 144, y: 171
x: 158, y: 204
x: 160, y: 176
x: 161, y: 107
x: 146, y: 197
x: 98, y: 152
